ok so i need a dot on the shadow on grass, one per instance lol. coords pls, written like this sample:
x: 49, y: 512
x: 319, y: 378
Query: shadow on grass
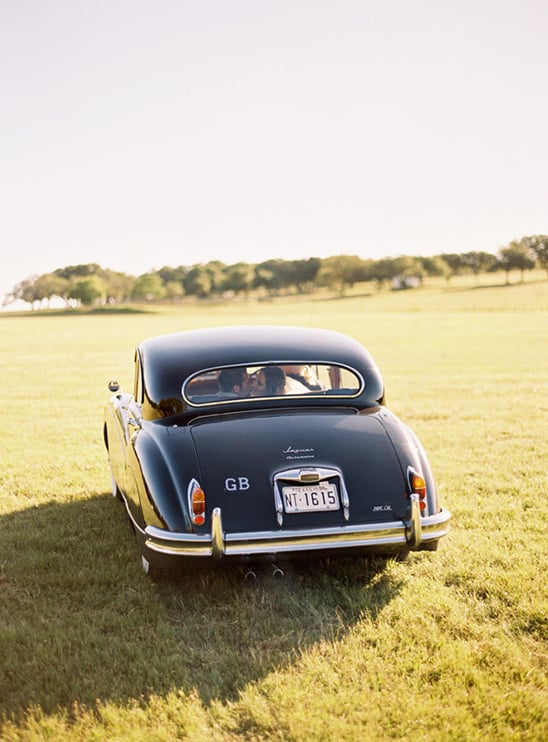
x: 485, y: 286
x: 76, y: 312
x: 82, y: 625
x: 344, y: 297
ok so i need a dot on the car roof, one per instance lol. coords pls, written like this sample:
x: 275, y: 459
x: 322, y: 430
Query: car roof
x: 167, y: 360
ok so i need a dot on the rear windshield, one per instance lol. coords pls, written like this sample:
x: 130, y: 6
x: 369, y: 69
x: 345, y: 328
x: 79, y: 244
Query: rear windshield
x: 271, y: 380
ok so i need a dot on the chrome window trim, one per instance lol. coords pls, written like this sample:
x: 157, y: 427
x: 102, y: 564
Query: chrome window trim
x: 311, y: 394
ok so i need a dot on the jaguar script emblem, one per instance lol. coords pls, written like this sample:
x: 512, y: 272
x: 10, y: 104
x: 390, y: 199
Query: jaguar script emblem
x: 298, y: 453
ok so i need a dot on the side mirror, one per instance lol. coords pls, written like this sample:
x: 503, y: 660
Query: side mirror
x: 113, y: 386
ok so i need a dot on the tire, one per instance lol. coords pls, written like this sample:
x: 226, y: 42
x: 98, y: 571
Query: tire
x: 402, y: 556
x: 149, y: 569
x: 154, y: 573
x: 432, y: 546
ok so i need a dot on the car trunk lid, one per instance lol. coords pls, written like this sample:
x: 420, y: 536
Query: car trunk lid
x: 247, y: 460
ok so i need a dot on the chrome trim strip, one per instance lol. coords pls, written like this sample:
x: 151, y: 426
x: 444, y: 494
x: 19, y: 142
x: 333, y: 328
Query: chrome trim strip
x: 279, y: 505
x: 187, y: 544
x: 414, y: 523
x: 217, y: 536
x: 218, y: 544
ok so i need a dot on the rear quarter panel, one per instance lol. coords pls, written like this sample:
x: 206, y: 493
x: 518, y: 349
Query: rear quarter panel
x: 161, y: 462
x: 411, y: 452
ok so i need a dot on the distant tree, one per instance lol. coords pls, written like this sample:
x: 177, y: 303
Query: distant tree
x: 516, y: 256
x: 454, y: 261
x: 198, y: 281
x: 37, y: 289
x: 277, y: 275
x: 119, y: 286
x: 384, y: 270
x: 238, y: 278
x: 538, y: 244
x: 408, y: 266
x: 435, y: 266
x: 216, y: 272
x: 174, y: 290
x: 269, y: 275
x: 24, y: 290
x: 172, y: 280
x: 49, y: 285
x: 303, y: 273
x: 88, y: 290
x: 71, y: 272
x: 148, y: 287
x: 343, y: 271
x: 478, y: 262
x: 168, y: 274
x: 402, y: 268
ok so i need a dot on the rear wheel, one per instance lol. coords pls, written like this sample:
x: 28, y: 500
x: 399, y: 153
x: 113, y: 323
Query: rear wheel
x: 150, y: 570
x: 396, y: 556
x: 430, y: 546
x: 156, y: 573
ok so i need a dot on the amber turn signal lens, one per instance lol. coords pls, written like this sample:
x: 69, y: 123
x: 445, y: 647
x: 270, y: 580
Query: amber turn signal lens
x: 196, y: 502
x: 418, y: 485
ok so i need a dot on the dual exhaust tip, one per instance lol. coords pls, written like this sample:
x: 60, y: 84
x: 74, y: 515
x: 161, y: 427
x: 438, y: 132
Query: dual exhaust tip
x: 251, y: 575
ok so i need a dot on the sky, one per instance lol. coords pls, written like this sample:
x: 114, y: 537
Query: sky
x: 139, y: 134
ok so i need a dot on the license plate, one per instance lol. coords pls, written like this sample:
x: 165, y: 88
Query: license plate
x: 302, y: 499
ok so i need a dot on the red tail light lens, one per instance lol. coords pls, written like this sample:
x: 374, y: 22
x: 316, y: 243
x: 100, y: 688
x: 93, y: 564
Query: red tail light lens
x: 197, y: 503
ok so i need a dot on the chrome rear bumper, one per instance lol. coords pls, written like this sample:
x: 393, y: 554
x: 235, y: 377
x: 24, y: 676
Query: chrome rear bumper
x: 395, y: 535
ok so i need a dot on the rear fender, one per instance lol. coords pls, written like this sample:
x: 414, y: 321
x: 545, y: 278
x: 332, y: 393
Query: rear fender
x: 411, y: 453
x: 161, y: 491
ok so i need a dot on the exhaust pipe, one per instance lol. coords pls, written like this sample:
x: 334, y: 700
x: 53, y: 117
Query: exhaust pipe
x: 250, y: 575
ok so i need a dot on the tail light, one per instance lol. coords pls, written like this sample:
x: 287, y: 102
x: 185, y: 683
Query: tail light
x: 196, y: 503
x: 417, y: 486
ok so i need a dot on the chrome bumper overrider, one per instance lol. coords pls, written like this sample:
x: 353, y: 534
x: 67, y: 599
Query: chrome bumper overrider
x: 407, y: 534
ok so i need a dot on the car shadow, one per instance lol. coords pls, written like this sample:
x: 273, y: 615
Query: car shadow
x: 492, y: 286
x: 82, y: 625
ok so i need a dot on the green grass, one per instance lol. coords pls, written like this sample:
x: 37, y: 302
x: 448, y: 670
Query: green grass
x: 448, y: 646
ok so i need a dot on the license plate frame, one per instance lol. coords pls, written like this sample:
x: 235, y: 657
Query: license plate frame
x: 311, y: 498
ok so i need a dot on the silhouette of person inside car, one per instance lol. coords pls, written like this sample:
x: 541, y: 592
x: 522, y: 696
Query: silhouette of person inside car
x: 233, y: 382
x: 268, y: 382
x: 304, y: 375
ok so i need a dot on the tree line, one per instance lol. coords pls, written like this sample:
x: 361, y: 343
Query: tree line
x: 91, y: 284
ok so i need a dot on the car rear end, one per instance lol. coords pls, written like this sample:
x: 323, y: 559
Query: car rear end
x: 295, y: 483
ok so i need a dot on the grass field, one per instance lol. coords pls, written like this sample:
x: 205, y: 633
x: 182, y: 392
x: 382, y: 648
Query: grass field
x: 447, y: 646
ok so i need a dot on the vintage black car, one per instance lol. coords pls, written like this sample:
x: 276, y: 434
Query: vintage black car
x: 261, y: 444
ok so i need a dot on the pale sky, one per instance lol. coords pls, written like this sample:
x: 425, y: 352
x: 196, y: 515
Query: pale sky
x: 138, y: 133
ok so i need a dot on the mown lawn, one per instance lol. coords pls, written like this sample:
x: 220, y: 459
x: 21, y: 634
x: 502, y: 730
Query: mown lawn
x: 448, y: 646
